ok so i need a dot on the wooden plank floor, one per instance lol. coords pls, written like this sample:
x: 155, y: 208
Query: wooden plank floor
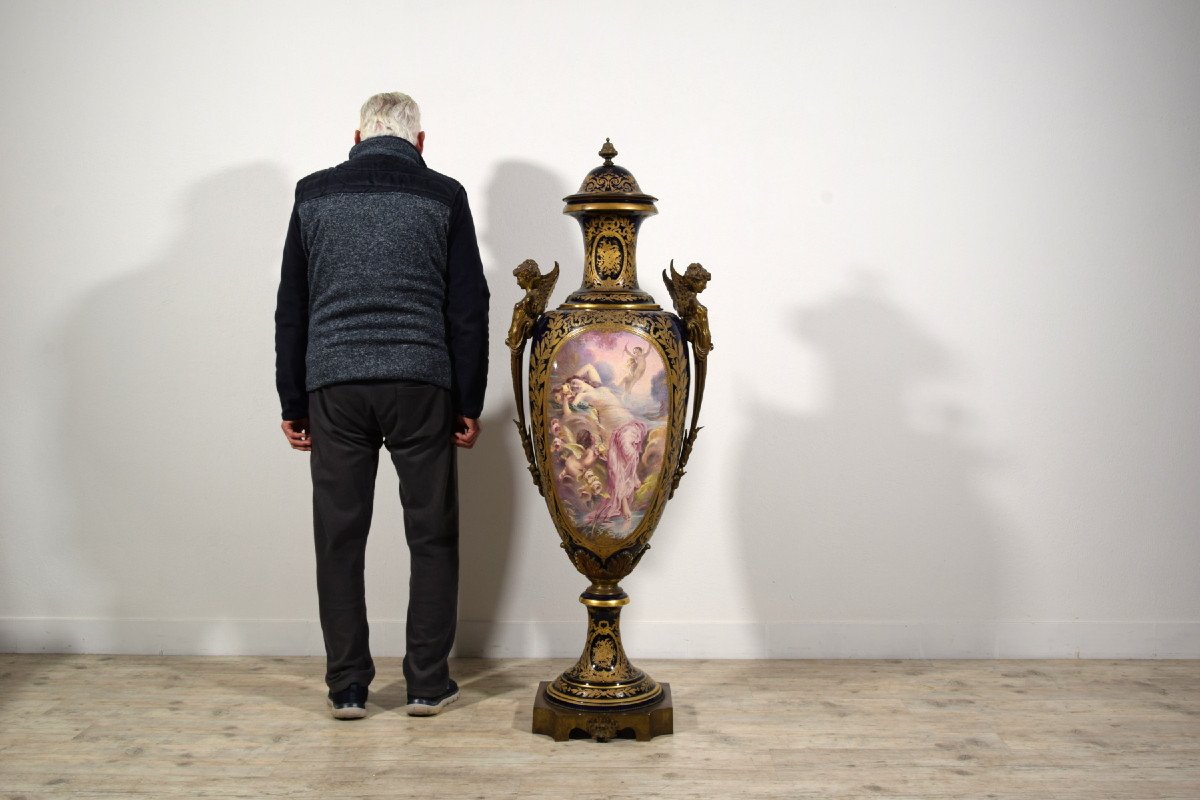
x: 165, y: 727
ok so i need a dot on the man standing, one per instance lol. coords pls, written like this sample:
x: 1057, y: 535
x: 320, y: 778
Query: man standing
x: 381, y: 337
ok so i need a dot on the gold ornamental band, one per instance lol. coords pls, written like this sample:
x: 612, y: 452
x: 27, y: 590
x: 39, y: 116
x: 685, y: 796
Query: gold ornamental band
x: 620, y: 601
x: 645, y: 208
x: 578, y: 702
x: 614, y: 306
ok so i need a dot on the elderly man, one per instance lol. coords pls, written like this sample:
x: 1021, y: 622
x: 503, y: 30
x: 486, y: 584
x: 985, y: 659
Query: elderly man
x: 381, y: 335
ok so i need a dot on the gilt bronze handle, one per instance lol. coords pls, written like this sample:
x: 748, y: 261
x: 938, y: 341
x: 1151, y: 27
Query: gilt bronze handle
x: 525, y: 313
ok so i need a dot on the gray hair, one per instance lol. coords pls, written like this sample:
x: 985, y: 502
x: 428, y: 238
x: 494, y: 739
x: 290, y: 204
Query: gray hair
x: 390, y: 114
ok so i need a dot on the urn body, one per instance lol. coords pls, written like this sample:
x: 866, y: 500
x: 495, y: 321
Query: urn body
x: 608, y: 384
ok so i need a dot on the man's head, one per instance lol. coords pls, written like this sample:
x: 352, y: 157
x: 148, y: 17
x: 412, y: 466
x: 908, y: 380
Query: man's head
x: 391, y: 114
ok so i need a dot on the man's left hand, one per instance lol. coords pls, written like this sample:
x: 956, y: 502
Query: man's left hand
x: 466, y: 433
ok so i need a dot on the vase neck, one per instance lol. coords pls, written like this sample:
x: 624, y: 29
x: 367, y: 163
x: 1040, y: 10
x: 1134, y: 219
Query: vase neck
x: 610, y: 260
x: 610, y: 252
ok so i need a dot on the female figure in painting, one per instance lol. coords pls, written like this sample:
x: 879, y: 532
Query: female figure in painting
x: 626, y: 436
x: 624, y: 454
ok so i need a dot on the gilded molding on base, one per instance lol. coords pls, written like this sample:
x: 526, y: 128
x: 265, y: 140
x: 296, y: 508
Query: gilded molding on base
x: 603, y: 675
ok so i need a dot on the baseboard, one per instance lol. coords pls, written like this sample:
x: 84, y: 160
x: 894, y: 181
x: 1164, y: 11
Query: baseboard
x: 692, y: 640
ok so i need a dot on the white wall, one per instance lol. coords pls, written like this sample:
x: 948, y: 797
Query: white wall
x: 955, y: 248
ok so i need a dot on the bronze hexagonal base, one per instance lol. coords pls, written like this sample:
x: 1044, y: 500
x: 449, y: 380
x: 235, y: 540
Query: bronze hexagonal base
x: 558, y: 722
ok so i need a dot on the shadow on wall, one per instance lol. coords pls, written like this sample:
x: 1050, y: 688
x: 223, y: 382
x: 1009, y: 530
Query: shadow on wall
x: 184, y: 494
x: 486, y: 481
x: 523, y: 219
x: 876, y: 514
x: 168, y: 422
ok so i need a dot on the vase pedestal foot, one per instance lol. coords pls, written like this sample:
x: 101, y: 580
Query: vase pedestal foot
x: 646, y: 722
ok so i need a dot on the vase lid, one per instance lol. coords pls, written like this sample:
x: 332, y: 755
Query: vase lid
x: 610, y: 187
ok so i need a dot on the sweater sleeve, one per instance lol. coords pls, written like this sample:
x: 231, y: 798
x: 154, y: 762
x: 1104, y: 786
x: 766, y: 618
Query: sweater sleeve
x: 291, y: 324
x: 467, y: 299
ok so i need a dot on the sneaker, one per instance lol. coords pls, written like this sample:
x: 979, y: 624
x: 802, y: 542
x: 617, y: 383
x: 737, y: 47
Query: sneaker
x: 429, y: 706
x: 349, y: 703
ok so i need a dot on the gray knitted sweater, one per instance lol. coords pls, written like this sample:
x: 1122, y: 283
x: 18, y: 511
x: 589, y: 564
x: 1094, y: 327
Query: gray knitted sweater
x: 381, y: 280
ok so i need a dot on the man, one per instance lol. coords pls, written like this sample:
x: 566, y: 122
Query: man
x: 381, y: 336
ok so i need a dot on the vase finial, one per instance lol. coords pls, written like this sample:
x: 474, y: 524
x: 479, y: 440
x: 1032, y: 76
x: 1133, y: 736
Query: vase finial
x: 608, y: 152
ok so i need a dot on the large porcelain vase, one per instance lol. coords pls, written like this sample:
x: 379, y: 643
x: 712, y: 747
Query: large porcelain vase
x: 608, y: 435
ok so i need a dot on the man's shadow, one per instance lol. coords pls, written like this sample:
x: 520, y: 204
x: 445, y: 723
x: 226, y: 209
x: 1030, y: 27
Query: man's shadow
x: 870, y: 509
x: 523, y: 219
x: 179, y: 508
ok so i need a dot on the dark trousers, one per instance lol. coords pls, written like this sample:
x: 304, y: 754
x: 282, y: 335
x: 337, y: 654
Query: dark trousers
x: 349, y: 424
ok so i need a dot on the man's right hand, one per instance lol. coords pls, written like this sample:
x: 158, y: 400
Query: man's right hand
x: 466, y: 433
x: 296, y: 431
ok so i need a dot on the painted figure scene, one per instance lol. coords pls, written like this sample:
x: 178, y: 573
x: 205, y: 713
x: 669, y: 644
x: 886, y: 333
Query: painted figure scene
x: 607, y: 417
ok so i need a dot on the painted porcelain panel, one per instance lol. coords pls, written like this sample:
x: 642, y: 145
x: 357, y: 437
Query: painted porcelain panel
x: 607, y: 417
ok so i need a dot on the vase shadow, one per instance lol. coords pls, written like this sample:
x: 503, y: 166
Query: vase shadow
x: 877, y: 513
x: 494, y: 482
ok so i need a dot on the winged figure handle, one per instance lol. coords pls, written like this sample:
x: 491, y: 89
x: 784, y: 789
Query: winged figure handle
x: 525, y: 313
x: 683, y: 290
